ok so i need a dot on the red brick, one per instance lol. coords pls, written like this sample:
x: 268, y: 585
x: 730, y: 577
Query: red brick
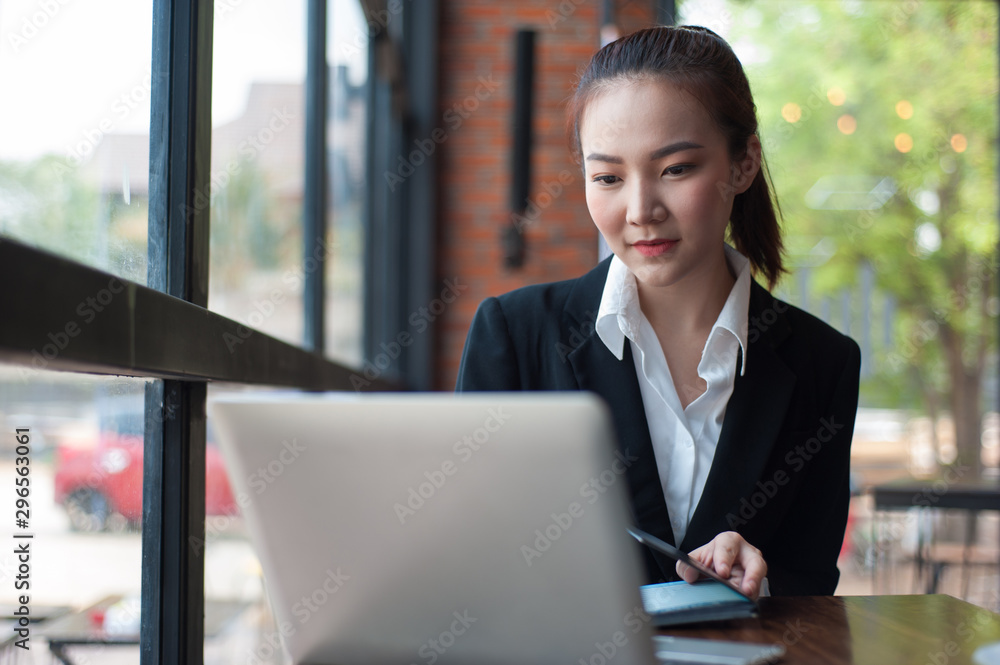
x: 477, y: 39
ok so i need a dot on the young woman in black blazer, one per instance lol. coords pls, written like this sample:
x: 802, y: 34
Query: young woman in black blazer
x: 735, y: 409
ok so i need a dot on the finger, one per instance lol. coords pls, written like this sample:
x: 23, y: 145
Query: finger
x: 736, y: 581
x: 689, y: 573
x: 755, y: 569
x: 686, y: 572
x: 726, y: 552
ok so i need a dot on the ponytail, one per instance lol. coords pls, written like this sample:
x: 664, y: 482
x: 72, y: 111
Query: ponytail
x: 754, y: 229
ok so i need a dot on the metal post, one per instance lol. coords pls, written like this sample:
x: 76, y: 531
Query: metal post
x: 173, y: 563
x: 315, y: 196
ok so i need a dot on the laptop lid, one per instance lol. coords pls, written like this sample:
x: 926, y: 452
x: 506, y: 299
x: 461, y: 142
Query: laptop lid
x: 439, y: 528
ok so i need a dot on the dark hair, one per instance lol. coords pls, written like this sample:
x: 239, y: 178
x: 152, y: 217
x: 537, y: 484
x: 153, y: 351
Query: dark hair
x: 702, y: 63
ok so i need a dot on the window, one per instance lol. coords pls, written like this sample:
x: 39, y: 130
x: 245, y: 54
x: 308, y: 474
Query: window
x: 347, y: 58
x: 258, y: 162
x: 85, y: 481
x: 92, y: 210
x: 74, y: 148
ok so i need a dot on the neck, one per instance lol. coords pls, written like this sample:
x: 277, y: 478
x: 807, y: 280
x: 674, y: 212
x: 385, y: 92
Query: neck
x: 692, y: 304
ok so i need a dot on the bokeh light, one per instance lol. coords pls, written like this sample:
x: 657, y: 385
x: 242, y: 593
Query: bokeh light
x: 903, y: 142
x: 791, y: 112
x: 959, y: 143
x: 847, y: 124
x: 836, y: 96
x: 904, y: 109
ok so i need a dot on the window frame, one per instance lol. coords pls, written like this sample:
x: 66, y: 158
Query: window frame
x: 400, y: 222
x: 163, y: 330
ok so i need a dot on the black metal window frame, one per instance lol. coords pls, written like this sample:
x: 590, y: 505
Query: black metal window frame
x: 163, y: 330
x: 401, y: 219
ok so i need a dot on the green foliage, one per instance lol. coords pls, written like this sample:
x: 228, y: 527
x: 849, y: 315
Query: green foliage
x: 253, y: 230
x: 46, y: 204
x: 931, y: 234
x: 49, y: 204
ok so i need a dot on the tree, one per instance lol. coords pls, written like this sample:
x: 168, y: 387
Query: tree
x: 880, y: 122
x: 48, y: 203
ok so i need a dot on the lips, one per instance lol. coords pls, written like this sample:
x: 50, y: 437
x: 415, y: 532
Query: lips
x: 654, y: 247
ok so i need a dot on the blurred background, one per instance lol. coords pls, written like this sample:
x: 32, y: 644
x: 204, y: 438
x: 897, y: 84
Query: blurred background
x: 879, y: 126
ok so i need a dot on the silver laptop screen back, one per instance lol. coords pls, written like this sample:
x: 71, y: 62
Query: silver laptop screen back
x: 436, y: 528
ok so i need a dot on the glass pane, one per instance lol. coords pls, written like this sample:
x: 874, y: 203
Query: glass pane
x: 74, y: 133
x: 83, y: 455
x: 347, y: 56
x: 879, y: 123
x: 258, y: 134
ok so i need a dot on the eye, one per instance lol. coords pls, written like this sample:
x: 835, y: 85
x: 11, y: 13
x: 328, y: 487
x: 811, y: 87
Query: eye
x: 606, y: 179
x: 678, y: 169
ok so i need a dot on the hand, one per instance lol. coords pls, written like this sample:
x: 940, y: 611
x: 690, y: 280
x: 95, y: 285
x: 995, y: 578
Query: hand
x: 733, y: 558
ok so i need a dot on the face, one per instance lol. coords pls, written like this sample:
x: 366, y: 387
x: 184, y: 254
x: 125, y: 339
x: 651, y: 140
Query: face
x: 660, y: 182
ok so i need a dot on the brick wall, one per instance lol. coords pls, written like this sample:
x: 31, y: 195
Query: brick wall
x: 476, y: 101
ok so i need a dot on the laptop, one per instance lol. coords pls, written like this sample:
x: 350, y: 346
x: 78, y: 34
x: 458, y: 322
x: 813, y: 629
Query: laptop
x: 439, y: 528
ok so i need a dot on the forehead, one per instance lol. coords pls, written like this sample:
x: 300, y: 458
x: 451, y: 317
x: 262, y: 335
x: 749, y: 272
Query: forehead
x: 640, y: 116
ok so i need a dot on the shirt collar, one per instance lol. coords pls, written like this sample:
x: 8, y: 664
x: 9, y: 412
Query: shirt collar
x: 619, y: 314
x: 735, y: 314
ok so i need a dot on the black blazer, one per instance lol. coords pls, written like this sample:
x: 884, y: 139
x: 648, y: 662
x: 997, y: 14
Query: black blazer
x: 780, y: 472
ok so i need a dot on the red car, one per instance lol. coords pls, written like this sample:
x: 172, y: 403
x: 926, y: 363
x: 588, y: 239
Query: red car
x: 101, y: 486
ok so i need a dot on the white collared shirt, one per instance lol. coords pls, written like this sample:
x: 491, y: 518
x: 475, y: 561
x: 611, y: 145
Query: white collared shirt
x: 684, y: 439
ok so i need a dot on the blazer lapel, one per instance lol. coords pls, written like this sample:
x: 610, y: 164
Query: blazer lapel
x: 599, y: 371
x: 596, y: 369
x: 754, y: 415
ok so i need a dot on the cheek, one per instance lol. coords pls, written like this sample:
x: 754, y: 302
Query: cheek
x: 704, y: 201
x: 707, y: 193
x: 602, y: 209
x: 712, y: 206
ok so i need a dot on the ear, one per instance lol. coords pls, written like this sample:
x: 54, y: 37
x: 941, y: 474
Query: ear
x: 745, y: 170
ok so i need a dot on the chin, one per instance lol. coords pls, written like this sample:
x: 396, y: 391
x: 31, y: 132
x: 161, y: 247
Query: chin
x: 656, y: 276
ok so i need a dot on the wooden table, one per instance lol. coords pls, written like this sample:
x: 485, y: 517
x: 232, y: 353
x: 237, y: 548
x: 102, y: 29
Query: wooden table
x: 815, y: 630
x: 80, y: 628
x: 938, y: 492
x: 881, y: 630
x: 948, y: 492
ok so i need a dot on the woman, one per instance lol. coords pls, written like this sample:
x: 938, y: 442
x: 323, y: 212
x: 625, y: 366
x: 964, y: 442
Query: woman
x: 737, y: 408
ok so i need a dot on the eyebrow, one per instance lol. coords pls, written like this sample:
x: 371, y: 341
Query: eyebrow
x: 660, y: 153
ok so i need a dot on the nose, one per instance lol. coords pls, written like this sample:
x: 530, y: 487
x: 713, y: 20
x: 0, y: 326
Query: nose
x: 645, y: 204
